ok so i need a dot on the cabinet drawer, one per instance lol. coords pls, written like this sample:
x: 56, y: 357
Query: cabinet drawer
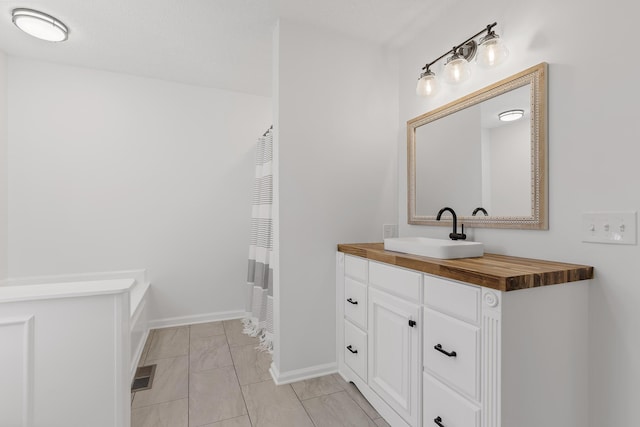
x: 460, y: 367
x: 356, y: 268
x: 454, y: 298
x: 395, y: 280
x: 355, y: 349
x: 446, y: 406
x: 355, y: 302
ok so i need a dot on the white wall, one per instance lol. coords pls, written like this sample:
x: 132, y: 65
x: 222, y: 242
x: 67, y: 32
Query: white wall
x: 593, y: 165
x: 336, y: 131
x: 112, y: 172
x: 448, y: 172
x: 3, y: 167
x: 510, y: 169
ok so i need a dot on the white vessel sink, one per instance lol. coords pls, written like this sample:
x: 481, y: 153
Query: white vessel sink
x: 434, y: 248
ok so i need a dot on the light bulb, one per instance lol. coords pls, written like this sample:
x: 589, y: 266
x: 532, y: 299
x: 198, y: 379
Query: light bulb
x: 457, y: 69
x: 491, y: 51
x: 427, y: 84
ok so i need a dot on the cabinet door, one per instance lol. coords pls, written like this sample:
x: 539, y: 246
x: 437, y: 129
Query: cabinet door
x: 394, y: 353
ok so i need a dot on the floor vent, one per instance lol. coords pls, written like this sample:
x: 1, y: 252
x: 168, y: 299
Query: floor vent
x: 143, y: 380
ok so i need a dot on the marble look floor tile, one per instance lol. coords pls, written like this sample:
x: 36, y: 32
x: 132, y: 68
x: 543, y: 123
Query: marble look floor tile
x: 169, y: 414
x: 145, y: 350
x: 274, y: 406
x: 235, y: 336
x: 170, y: 382
x: 169, y: 342
x: 202, y: 330
x: 252, y: 365
x: 214, y: 395
x: 209, y: 353
x: 315, y: 387
x: 336, y: 410
x: 242, y: 421
x: 355, y: 394
x: 380, y: 422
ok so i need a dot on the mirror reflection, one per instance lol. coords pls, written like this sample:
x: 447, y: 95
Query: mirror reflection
x: 472, y: 159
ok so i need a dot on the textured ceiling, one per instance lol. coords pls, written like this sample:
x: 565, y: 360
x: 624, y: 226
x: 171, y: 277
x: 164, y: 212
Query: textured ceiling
x: 216, y: 43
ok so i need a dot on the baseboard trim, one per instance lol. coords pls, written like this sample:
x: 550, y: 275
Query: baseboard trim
x: 138, y: 352
x: 139, y: 275
x: 197, y: 318
x: 288, y: 377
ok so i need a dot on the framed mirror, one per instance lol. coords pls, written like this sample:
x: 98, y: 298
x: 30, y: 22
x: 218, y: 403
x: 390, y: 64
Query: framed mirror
x: 469, y: 156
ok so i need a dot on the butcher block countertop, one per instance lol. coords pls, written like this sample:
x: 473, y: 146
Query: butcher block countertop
x: 501, y: 272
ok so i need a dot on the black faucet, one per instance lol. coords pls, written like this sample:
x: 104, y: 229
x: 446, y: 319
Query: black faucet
x: 455, y: 235
x: 480, y: 209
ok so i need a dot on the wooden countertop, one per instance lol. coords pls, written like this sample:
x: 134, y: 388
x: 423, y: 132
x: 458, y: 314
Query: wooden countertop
x: 501, y: 272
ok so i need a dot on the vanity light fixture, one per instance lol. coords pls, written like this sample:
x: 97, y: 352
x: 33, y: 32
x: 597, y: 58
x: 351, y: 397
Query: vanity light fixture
x: 457, y: 68
x: 427, y: 83
x: 491, y: 51
x: 40, y: 25
x: 511, y: 115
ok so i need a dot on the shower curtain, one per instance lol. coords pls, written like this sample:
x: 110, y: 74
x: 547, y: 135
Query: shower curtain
x: 258, y: 320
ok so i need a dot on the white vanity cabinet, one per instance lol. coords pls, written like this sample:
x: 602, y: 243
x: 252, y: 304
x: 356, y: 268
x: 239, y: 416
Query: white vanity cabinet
x: 378, y: 329
x: 451, y: 354
x: 394, y: 352
x: 428, y: 351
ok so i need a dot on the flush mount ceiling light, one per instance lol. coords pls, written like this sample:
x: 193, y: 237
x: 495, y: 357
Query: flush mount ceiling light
x: 510, y: 115
x: 40, y: 25
x: 491, y: 51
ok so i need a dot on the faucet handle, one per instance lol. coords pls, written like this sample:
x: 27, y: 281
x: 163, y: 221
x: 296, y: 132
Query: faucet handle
x: 458, y: 236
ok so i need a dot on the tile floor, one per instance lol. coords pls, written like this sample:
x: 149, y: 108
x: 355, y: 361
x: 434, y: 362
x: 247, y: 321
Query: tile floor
x: 211, y: 375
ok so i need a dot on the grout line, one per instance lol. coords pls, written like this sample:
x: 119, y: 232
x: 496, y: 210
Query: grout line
x: 303, y: 407
x: 235, y: 371
x: 166, y: 358
x: 158, y: 403
x: 188, y: 376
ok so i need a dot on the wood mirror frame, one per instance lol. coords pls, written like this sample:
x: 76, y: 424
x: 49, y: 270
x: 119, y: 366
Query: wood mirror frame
x: 536, y: 77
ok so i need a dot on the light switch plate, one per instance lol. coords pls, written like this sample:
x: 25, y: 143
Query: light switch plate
x: 615, y: 227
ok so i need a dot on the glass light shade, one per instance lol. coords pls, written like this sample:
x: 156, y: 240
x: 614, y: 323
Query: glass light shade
x: 511, y: 115
x: 427, y: 84
x: 40, y: 25
x: 457, y: 69
x: 491, y: 51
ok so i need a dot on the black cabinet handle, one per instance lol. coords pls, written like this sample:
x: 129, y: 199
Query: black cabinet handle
x: 352, y: 350
x: 440, y: 349
x: 352, y: 301
x: 412, y: 323
x: 438, y: 421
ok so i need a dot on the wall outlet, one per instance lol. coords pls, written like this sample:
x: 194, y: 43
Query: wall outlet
x: 617, y: 228
x: 389, y: 231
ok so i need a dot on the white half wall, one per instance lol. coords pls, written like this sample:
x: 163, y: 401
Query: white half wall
x: 593, y: 166
x: 114, y: 172
x: 336, y: 112
x: 3, y: 168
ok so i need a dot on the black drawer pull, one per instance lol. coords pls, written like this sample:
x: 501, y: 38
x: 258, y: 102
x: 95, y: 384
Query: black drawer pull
x: 352, y: 301
x: 412, y: 323
x: 438, y: 421
x: 440, y: 349
x: 352, y: 350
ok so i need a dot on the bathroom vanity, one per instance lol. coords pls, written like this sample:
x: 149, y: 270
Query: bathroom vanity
x: 492, y: 341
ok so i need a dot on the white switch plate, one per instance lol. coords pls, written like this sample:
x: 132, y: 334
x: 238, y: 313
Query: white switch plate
x: 617, y: 228
x: 389, y: 231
